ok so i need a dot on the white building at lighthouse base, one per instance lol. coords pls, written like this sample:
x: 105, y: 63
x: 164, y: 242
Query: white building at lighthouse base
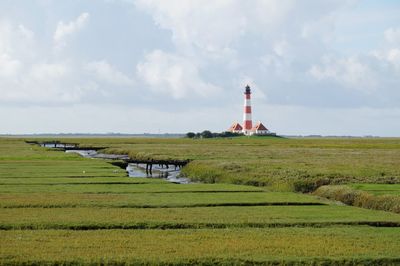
x: 257, y: 129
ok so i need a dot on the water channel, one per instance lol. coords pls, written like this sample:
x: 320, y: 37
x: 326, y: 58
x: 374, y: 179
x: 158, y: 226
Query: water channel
x: 166, y: 172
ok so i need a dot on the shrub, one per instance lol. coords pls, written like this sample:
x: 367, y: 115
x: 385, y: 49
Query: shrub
x: 190, y: 135
x: 308, y: 185
x: 359, y: 198
x: 201, y: 172
x: 304, y: 186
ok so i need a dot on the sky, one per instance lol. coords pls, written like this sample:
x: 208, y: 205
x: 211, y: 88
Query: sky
x: 315, y: 67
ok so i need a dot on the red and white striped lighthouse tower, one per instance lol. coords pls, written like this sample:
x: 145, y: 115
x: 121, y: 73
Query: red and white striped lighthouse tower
x: 247, y: 123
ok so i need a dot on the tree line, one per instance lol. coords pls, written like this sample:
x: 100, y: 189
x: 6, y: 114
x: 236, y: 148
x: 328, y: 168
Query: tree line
x: 207, y: 134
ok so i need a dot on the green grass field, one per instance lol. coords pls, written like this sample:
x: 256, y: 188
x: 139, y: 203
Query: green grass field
x: 340, y: 245
x: 378, y: 189
x: 59, y: 208
x: 167, y: 198
x: 200, y: 217
x: 298, y: 164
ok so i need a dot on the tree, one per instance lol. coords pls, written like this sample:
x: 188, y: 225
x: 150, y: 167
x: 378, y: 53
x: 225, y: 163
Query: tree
x: 190, y: 135
x: 206, y: 134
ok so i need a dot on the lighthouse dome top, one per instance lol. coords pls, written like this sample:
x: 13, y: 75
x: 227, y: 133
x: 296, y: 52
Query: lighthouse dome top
x: 248, y: 91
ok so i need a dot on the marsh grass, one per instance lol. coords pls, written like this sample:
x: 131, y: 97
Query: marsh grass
x: 201, y: 217
x: 378, y: 189
x: 361, y: 198
x: 129, y: 187
x: 163, y: 199
x: 303, y: 164
x: 196, y: 246
x: 44, y: 191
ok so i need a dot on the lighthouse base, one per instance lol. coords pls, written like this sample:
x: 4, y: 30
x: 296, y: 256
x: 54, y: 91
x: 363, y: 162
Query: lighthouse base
x: 259, y: 129
x: 258, y: 133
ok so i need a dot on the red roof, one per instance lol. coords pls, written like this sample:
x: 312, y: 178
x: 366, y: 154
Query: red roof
x: 259, y: 126
x: 236, y: 127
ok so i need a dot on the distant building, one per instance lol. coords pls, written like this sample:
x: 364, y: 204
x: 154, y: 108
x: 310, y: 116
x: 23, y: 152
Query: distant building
x: 236, y: 128
x: 248, y: 128
x: 260, y: 129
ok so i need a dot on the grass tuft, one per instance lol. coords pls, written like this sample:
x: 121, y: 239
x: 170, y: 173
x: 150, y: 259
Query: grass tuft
x: 360, y: 198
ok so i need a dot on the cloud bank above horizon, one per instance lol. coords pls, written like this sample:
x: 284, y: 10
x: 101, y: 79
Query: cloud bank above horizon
x: 321, y: 67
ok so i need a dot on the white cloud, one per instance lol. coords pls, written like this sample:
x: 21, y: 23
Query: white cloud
x: 392, y: 36
x: 15, y: 42
x: 11, y: 42
x: 393, y: 56
x: 350, y: 72
x: 173, y: 75
x: 194, y: 51
x: 390, y: 52
x: 45, y: 72
x: 374, y: 79
x: 26, y: 33
x: 26, y: 82
x: 219, y: 25
x: 63, y: 29
x: 108, y: 73
x: 5, y: 37
x: 8, y: 66
x: 366, y: 72
x: 44, y: 83
x: 190, y: 21
x: 390, y: 56
x: 29, y: 76
x: 275, y: 39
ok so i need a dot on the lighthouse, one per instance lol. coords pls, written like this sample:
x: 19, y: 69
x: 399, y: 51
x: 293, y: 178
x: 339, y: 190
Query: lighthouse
x: 248, y: 129
x: 247, y: 123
